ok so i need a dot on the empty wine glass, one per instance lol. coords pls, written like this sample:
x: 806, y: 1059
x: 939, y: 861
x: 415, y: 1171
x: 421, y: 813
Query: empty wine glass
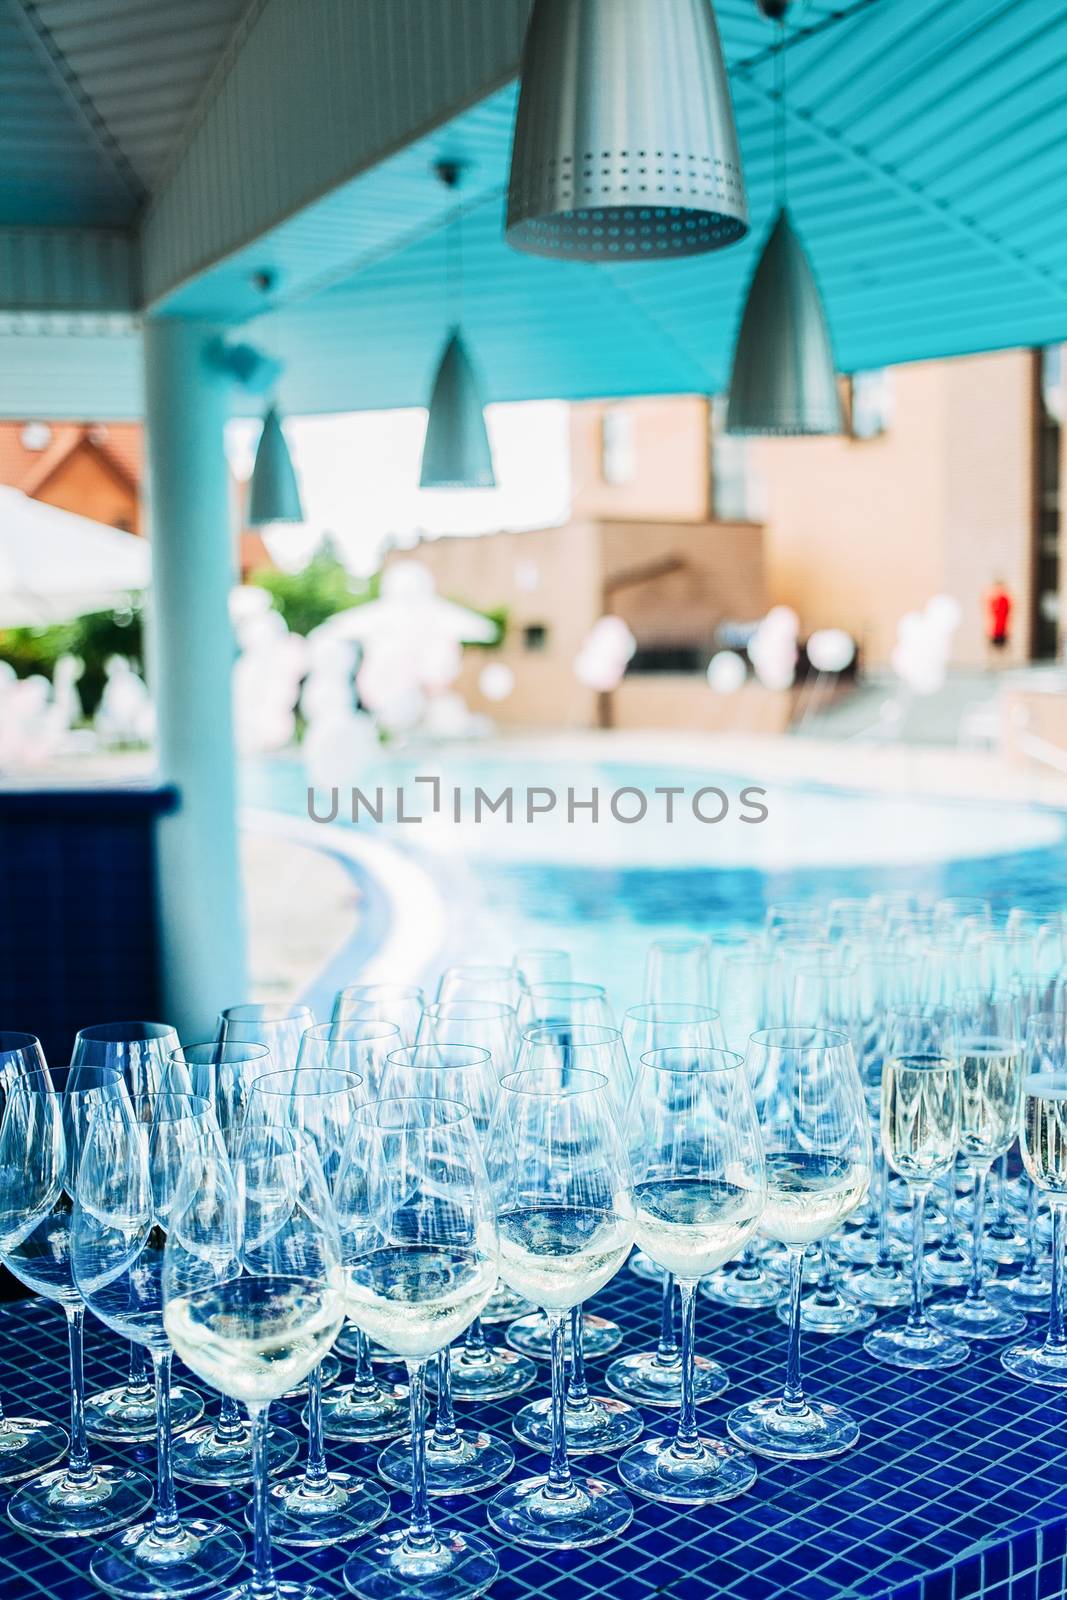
x: 140, y: 1051
x: 27, y: 1444
x: 400, y: 1004
x: 316, y: 1107
x: 699, y: 1189
x: 678, y: 971
x: 817, y: 1139
x: 920, y: 1132
x: 45, y: 1125
x: 562, y: 1186
x: 421, y: 1260
x: 275, y: 1023
x: 481, y: 982
x: 129, y: 1171
x: 458, y: 1460
x: 542, y: 966
x: 563, y: 1005
x: 253, y: 1293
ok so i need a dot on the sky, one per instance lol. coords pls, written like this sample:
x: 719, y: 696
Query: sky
x: 359, y: 475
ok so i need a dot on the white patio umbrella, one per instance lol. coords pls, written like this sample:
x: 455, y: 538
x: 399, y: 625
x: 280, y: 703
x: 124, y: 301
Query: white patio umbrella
x: 410, y: 606
x: 55, y: 566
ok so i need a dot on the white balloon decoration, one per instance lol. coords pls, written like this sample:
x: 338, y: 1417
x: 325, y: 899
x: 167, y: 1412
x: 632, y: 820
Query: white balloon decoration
x: 924, y: 644
x: 496, y: 681
x: 726, y: 672
x: 772, y: 649
x: 831, y: 650
x: 607, y: 651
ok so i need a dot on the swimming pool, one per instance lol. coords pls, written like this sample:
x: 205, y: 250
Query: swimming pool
x: 603, y: 889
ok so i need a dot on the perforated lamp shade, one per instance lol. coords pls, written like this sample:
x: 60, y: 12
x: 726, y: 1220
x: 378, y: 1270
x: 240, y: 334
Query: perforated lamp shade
x: 783, y: 380
x: 625, y: 147
x: 456, y: 454
x: 273, y: 494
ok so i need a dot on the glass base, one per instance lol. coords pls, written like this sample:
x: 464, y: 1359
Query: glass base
x: 950, y: 1265
x: 504, y: 1305
x: 200, y: 1457
x: 281, y: 1591
x: 531, y: 1336
x: 648, y: 1381
x: 603, y: 1424
x: 734, y: 1286
x: 496, y: 1374
x: 807, y: 1432
x: 978, y: 1319
x: 139, y: 1566
x: 926, y: 1350
x: 1007, y: 1248
x: 28, y: 1446
x: 644, y: 1267
x: 827, y: 1312
x: 860, y: 1247
x: 881, y: 1286
x: 359, y: 1418
x: 123, y: 1414
x: 714, y: 1471
x: 350, y: 1508
x: 1030, y: 1295
x: 477, y: 1461
x: 52, y: 1507
x: 331, y: 1371
x: 1036, y: 1364
x: 456, y: 1566
x: 596, y: 1512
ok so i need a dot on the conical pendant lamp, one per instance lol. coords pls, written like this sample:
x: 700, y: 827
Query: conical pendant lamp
x: 625, y: 147
x: 456, y: 454
x: 273, y: 493
x: 783, y: 379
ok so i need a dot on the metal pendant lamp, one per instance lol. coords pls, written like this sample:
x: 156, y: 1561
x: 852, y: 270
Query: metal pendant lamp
x: 456, y: 452
x: 274, y: 495
x: 625, y: 147
x: 783, y: 380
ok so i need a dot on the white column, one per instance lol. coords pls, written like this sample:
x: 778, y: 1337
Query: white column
x: 192, y: 653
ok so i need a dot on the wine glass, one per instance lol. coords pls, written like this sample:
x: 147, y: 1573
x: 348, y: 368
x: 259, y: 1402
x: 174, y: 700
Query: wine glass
x: 481, y: 982
x: 275, y: 1023
x: 140, y: 1051
x: 127, y: 1178
x: 369, y: 1409
x: 1030, y: 1290
x: 699, y: 1187
x: 817, y: 1139
x: 991, y: 1052
x: 542, y: 966
x: 595, y: 1422
x: 791, y: 920
x: 1043, y: 1141
x: 253, y: 1293
x: 400, y: 1004
x: 654, y: 1377
x: 678, y: 970
x: 562, y: 1005
x: 46, y: 1121
x: 920, y: 1132
x: 27, y: 1444
x: 421, y: 1253
x: 562, y: 1186
x: 317, y: 1107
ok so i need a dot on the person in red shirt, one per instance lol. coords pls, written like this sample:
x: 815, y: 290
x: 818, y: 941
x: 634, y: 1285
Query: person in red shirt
x: 998, y: 606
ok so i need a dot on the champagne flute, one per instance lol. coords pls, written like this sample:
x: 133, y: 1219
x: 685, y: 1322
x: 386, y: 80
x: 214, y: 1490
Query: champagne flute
x: 400, y: 1004
x: 457, y: 1460
x: 1043, y: 1141
x: 420, y: 1262
x: 991, y: 1051
x: 140, y: 1051
x: 699, y: 1189
x: 46, y: 1121
x: 678, y: 970
x: 817, y: 1139
x: 1030, y: 1290
x: 129, y: 1171
x: 316, y: 1107
x: 562, y: 1185
x: 920, y: 1131
x: 27, y: 1444
x: 253, y: 1293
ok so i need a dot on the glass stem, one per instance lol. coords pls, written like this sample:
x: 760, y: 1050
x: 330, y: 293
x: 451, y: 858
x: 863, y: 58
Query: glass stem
x: 79, y: 1465
x: 138, y: 1383
x: 885, y: 1255
x: 667, y: 1348
x: 687, y: 1440
x: 420, y: 1535
x: 976, y: 1287
x: 365, y: 1384
x: 165, y: 1524
x: 262, y: 1584
x: 229, y: 1429
x: 445, y: 1434
x: 750, y: 1268
x: 917, y: 1311
x: 793, y: 1399
x: 560, y: 1484
x: 950, y: 1239
x: 577, y: 1388
x: 1056, y: 1338
x: 474, y: 1345
x: 1031, y: 1267
x: 316, y: 1478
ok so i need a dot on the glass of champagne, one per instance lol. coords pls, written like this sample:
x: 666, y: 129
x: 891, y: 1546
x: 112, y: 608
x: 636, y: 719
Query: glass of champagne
x: 920, y: 1131
x: 129, y: 1172
x: 46, y: 1123
x: 699, y: 1189
x: 817, y: 1139
x: 253, y: 1293
x: 991, y: 1059
x: 562, y: 1185
x: 1043, y: 1141
x: 420, y: 1262
x: 400, y: 1004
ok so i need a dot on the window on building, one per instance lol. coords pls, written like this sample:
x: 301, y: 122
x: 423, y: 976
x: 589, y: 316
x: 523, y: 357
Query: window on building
x: 737, y: 491
x: 535, y: 636
x: 871, y: 403
x: 1048, y: 510
x: 618, y: 446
